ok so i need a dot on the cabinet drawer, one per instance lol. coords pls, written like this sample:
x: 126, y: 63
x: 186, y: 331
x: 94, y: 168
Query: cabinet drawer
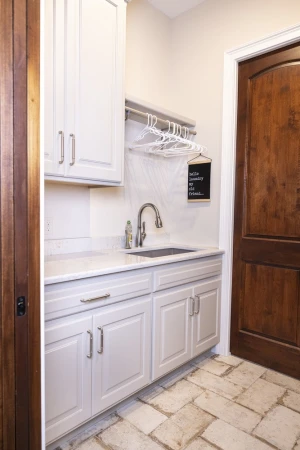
x: 186, y: 273
x: 86, y: 294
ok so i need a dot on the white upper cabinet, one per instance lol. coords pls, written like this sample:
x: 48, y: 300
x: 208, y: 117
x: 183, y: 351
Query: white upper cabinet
x: 84, y: 90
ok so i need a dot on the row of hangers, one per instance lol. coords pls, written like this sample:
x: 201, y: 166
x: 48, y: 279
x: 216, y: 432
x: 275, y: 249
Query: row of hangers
x: 173, y: 141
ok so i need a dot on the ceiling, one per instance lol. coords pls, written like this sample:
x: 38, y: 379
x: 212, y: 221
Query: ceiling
x: 174, y: 8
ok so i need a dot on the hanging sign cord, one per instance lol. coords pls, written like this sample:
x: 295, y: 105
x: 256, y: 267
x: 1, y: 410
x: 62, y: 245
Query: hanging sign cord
x: 198, y: 157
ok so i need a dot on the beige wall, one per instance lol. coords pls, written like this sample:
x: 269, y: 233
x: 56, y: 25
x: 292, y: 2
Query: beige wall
x: 204, y: 34
x: 148, y: 39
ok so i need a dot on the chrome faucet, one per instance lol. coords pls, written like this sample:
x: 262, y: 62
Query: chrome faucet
x: 141, y: 235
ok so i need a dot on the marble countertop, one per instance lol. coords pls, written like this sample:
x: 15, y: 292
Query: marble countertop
x: 75, y: 266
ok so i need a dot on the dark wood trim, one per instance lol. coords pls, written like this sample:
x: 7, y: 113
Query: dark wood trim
x: 20, y: 373
x: 7, y: 343
x: 34, y: 287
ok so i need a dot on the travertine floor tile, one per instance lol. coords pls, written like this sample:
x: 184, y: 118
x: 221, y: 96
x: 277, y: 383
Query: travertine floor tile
x: 150, y: 393
x: 227, y: 437
x: 91, y: 431
x: 245, y: 374
x: 200, y: 444
x: 91, y: 444
x: 216, y: 384
x: 177, y: 376
x: 230, y: 360
x: 280, y: 427
x: 297, y: 446
x: 124, y: 436
x: 142, y: 416
x: 182, y: 426
x: 282, y: 380
x: 228, y: 411
x: 215, y: 367
x: 261, y: 396
x: 176, y: 397
x: 292, y: 400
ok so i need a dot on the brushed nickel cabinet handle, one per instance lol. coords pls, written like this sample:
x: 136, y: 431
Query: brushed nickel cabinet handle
x: 90, y: 355
x: 198, y: 304
x: 73, y: 149
x: 94, y: 299
x: 191, y: 306
x: 62, y: 147
x: 100, y: 351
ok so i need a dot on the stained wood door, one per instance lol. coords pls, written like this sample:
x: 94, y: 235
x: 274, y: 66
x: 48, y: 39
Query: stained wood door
x: 122, y: 352
x: 20, y: 374
x: 266, y: 262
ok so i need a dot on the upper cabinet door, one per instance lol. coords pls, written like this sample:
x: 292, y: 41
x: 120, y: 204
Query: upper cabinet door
x: 54, y: 86
x: 95, y: 79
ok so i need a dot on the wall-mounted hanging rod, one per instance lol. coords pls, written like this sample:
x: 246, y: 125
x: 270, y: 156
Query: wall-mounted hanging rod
x: 164, y: 122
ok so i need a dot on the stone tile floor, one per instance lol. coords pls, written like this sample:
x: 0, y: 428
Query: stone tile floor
x: 217, y: 403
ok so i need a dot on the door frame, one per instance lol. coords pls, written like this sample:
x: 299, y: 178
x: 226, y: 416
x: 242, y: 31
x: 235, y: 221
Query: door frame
x: 232, y: 57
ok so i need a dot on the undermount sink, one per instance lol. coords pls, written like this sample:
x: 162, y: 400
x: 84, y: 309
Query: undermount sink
x: 162, y: 252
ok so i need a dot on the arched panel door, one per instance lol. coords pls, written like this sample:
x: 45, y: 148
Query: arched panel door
x: 266, y: 267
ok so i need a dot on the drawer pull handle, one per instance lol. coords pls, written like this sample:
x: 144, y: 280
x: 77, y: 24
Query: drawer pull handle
x: 191, y: 306
x: 90, y: 355
x: 198, y: 303
x: 87, y: 300
x: 100, y: 351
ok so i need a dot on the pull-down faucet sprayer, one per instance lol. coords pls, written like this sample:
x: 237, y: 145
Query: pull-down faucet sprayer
x: 141, y: 235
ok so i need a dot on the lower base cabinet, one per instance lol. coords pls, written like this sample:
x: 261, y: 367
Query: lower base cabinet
x: 186, y: 323
x: 68, y: 376
x: 121, y: 364
x: 94, y: 362
x: 206, y: 317
x: 97, y: 358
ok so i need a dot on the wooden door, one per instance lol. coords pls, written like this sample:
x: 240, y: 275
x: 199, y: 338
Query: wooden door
x: 68, y: 370
x: 20, y: 375
x: 172, y: 316
x: 266, y: 262
x: 121, y: 361
x: 95, y: 80
x: 206, y: 319
x: 55, y: 52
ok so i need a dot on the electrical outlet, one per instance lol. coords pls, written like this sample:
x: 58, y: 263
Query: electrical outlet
x: 48, y: 226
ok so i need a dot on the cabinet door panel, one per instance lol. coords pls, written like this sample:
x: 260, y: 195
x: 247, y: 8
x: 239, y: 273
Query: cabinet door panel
x: 99, y: 96
x: 171, y: 331
x: 124, y: 365
x: 54, y: 95
x: 68, y: 377
x: 206, y: 324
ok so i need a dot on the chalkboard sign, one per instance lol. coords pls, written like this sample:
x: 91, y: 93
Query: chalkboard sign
x: 199, y: 181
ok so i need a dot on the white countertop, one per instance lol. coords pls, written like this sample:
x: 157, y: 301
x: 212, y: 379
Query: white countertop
x: 75, y: 266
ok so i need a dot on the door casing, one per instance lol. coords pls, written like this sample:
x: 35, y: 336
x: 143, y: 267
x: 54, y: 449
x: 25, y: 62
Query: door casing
x: 229, y: 128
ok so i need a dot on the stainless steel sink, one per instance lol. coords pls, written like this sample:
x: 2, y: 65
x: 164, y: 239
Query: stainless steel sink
x: 162, y: 252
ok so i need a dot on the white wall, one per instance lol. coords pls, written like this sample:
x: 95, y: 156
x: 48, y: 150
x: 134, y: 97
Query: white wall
x: 67, y: 208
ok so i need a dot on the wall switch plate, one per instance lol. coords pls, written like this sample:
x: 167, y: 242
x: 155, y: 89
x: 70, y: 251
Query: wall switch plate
x: 48, y: 227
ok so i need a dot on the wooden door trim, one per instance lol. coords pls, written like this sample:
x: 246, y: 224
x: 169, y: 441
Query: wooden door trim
x: 230, y: 88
